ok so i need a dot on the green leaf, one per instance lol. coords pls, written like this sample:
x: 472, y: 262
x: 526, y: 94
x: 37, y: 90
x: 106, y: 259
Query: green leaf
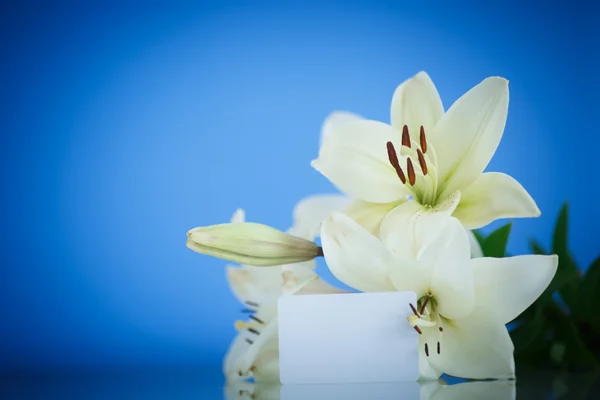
x: 479, y: 236
x: 588, y: 304
x: 577, y: 356
x: 526, y: 333
x: 495, y: 244
x: 561, y: 280
x: 536, y: 247
x: 566, y: 266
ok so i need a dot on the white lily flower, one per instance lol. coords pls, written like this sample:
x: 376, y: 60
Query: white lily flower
x: 255, y: 351
x: 463, y: 304
x: 427, y: 160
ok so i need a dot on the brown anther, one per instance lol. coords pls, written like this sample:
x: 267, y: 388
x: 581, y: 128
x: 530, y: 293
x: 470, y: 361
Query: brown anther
x: 252, y: 330
x: 411, y: 172
x: 418, y: 330
x: 260, y: 321
x: 422, y: 140
x: 438, y: 347
x: 252, y: 368
x: 413, y: 309
x: 393, y: 157
x: 252, y: 304
x: 441, y: 329
x: 424, y: 305
x: 249, y: 341
x: 426, y: 350
x: 422, y: 162
x: 405, y: 137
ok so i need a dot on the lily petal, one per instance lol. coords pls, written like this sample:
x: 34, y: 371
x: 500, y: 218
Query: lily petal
x: 354, y: 256
x: 311, y: 211
x: 476, y: 250
x: 247, y: 360
x: 335, y: 120
x: 369, y: 215
x: 409, y: 228
x: 266, y: 363
x: 426, y: 371
x: 318, y: 286
x: 354, y: 158
x: 468, y: 134
x: 238, y: 347
x: 257, y: 285
x: 416, y: 103
x: 295, y: 277
x: 492, y: 196
x: 506, y: 286
x: 452, y: 277
x: 239, y: 215
x: 410, y: 276
x: 477, y: 347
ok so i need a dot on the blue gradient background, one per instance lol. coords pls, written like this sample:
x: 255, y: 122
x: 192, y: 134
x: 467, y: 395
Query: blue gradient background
x: 124, y: 126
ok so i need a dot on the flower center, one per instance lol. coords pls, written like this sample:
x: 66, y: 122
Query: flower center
x: 427, y: 318
x: 425, y: 187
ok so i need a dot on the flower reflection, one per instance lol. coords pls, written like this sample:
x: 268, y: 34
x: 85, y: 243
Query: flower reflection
x: 493, y: 390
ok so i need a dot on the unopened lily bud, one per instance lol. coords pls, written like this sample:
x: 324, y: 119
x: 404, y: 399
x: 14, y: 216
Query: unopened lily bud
x: 252, y: 244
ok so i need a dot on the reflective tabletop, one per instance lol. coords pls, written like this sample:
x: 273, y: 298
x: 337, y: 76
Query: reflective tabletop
x: 192, y: 383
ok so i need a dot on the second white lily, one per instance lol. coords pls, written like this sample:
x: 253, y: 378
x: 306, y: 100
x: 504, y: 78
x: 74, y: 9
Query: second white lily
x: 463, y: 304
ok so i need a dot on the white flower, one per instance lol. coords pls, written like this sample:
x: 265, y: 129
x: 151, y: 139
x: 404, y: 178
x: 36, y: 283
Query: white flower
x: 463, y: 304
x: 255, y: 351
x: 426, y: 160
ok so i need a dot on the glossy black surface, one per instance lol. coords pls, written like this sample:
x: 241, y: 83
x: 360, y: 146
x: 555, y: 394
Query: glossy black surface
x: 192, y: 383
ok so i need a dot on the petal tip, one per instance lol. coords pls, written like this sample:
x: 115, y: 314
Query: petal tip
x: 498, y: 80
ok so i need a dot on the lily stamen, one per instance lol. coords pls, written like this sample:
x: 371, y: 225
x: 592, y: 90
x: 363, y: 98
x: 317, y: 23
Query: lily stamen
x: 252, y: 330
x: 422, y: 140
x: 393, y: 157
x: 251, y: 304
x: 413, y: 309
x: 411, y: 172
x: 424, y: 305
x: 422, y: 162
x: 405, y: 137
x: 438, y: 347
x: 426, y: 350
x: 255, y: 318
x: 249, y: 341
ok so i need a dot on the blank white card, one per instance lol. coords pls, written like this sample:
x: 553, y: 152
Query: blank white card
x: 347, y: 338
